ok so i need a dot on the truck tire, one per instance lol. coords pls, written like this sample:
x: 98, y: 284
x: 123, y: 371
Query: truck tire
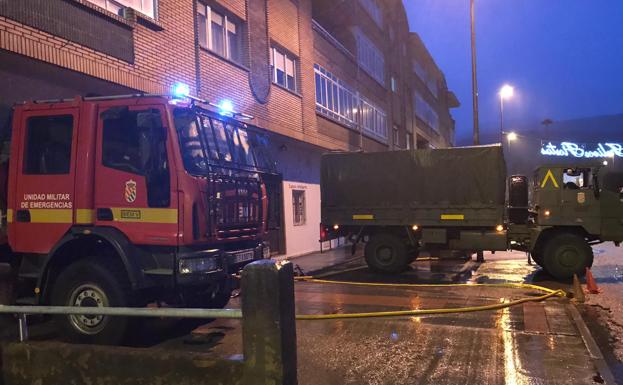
x: 537, y: 256
x: 386, y: 253
x: 88, y: 283
x: 567, y: 254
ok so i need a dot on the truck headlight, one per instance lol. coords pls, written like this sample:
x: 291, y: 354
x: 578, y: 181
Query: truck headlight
x: 197, y: 265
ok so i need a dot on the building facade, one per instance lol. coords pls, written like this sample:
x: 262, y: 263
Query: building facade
x: 317, y: 75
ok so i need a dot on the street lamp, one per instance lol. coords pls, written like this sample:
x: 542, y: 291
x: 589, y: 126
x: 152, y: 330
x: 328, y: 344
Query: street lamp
x: 474, y: 81
x: 506, y: 92
x: 511, y: 136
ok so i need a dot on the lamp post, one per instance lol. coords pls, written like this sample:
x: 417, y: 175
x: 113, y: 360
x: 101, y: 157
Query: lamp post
x: 510, y: 137
x: 506, y: 92
x: 474, y: 78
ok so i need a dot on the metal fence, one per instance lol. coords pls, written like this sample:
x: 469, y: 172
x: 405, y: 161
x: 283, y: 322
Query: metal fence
x: 267, y: 315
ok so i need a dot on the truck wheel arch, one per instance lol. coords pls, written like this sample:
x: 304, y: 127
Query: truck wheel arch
x: 84, y: 242
x: 539, y: 240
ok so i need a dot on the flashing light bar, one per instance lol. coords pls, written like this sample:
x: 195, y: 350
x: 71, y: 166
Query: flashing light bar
x: 225, y: 107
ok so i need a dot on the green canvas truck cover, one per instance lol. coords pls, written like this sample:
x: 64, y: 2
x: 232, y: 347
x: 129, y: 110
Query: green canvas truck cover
x: 457, y: 178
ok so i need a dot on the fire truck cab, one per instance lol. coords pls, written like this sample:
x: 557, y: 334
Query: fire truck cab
x: 130, y: 200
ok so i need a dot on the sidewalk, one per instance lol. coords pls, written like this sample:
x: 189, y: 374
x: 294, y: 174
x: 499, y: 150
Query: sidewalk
x: 317, y: 262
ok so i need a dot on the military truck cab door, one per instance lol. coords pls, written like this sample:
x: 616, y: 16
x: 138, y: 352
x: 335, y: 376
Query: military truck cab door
x: 134, y: 183
x: 42, y: 207
x: 611, y: 200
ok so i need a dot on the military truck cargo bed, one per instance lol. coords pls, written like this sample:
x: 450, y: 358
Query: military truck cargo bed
x: 433, y: 187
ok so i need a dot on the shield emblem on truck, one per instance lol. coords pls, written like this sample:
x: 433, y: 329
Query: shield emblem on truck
x: 130, y: 191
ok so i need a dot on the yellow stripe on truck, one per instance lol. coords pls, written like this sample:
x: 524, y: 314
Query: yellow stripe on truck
x: 363, y: 216
x: 51, y: 215
x: 85, y: 216
x: 453, y: 217
x: 144, y: 215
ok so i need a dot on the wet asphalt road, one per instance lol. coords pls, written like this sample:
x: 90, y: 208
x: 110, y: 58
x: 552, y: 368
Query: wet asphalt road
x: 534, y: 343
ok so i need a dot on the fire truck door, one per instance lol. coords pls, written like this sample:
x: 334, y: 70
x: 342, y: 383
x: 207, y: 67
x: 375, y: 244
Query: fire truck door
x: 133, y: 188
x: 44, y: 192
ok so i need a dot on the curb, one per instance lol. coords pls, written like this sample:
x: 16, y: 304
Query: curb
x: 593, y: 350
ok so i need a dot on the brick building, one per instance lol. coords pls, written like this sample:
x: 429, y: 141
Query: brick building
x: 318, y: 75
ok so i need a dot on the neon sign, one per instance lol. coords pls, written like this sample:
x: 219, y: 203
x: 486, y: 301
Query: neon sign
x: 600, y: 150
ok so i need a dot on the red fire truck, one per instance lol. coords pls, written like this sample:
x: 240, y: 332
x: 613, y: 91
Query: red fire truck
x: 130, y: 200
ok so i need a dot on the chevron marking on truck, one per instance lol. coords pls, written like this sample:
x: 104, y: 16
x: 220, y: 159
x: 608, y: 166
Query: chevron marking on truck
x: 549, y: 176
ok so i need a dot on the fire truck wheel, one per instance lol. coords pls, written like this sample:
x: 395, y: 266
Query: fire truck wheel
x: 386, y: 253
x: 87, y: 283
x: 567, y: 254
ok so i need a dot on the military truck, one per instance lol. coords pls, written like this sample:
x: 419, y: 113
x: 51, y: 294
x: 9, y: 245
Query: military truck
x: 402, y: 202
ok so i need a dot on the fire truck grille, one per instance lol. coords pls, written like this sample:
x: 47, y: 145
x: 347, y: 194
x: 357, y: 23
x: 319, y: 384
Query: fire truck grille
x: 237, y: 209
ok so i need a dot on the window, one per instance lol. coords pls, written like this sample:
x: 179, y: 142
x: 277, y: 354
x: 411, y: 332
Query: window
x: 334, y: 98
x: 298, y: 207
x: 428, y: 79
x: 283, y: 69
x: 219, y: 33
x: 221, y: 140
x: 206, y: 141
x: 409, y: 140
x: 370, y: 58
x: 125, y: 145
x: 425, y: 112
x: 48, y: 145
x: 394, y: 84
x: 373, y: 120
x: 574, y: 179
x: 189, y: 136
x: 373, y: 9
x: 146, y: 7
x: 135, y: 142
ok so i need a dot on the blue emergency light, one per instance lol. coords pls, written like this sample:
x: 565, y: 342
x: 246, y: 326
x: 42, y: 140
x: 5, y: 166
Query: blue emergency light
x: 226, y: 106
x: 181, y: 90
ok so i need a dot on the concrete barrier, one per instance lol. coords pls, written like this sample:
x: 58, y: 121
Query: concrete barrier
x: 269, y: 347
x: 268, y: 323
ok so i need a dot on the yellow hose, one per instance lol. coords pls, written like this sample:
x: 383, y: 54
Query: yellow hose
x: 308, y: 278
x: 497, y: 306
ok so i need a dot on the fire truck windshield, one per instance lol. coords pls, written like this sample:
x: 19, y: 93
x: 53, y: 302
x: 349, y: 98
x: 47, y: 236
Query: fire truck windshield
x: 206, y: 140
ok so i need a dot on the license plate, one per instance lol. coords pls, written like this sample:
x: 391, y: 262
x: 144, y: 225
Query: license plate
x: 244, y: 256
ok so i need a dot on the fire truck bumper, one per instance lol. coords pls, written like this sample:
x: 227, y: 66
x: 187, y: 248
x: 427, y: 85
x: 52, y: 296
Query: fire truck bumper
x: 237, y: 259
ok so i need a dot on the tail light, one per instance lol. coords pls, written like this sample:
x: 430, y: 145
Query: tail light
x: 324, y: 232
